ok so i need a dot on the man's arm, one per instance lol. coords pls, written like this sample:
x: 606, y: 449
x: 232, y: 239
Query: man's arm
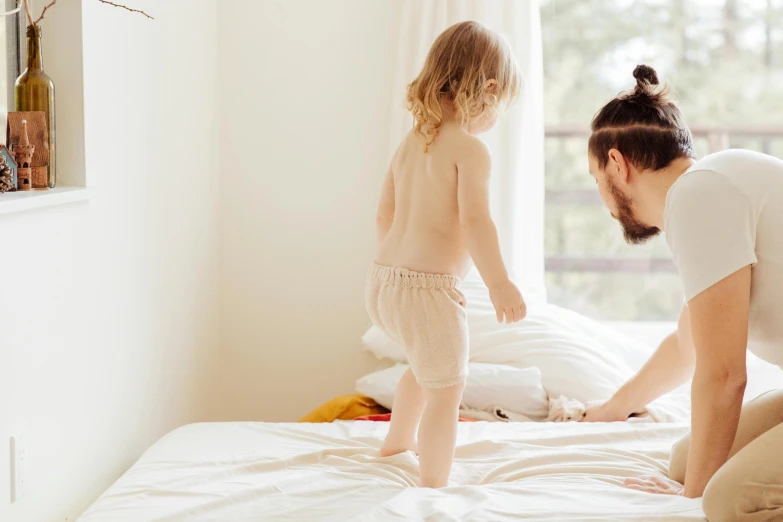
x: 670, y: 366
x: 719, y: 323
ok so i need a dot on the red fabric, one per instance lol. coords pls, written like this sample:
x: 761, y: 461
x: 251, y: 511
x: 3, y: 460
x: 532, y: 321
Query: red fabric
x: 386, y: 417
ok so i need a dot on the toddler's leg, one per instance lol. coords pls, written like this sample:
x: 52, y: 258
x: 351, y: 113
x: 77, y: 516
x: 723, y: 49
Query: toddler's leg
x: 406, y: 414
x: 438, y: 434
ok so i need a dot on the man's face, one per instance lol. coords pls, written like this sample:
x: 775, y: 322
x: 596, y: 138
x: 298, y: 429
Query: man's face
x: 620, y: 204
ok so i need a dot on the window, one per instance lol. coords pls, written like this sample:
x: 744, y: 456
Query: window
x: 10, y: 51
x: 724, y: 59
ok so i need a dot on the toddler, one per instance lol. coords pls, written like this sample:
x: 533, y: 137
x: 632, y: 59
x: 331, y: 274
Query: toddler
x: 433, y: 218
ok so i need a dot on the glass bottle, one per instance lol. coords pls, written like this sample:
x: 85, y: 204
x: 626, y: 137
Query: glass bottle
x: 34, y: 91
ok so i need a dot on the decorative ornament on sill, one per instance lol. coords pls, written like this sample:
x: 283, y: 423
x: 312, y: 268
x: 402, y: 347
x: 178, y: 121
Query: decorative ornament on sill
x: 30, y: 128
x: 23, y: 154
x: 7, y: 171
x: 34, y: 92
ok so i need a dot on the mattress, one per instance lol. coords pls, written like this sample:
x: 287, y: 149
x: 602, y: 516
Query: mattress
x: 333, y: 472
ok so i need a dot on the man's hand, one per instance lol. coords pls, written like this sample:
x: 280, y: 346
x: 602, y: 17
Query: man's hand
x: 508, y: 302
x: 656, y: 484
x: 610, y: 411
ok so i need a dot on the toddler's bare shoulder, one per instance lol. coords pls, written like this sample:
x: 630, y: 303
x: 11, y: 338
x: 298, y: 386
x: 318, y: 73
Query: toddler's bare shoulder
x: 471, y: 150
x: 469, y: 146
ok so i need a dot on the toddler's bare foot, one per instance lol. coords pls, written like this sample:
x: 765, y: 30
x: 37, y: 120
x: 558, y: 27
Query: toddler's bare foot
x: 393, y: 447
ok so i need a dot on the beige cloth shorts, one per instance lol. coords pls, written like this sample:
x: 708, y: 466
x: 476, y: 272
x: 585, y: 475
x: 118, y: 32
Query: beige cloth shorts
x: 426, y: 314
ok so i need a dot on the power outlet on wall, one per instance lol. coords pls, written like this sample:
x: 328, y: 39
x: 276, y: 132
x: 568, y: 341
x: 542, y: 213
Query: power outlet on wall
x: 18, y: 468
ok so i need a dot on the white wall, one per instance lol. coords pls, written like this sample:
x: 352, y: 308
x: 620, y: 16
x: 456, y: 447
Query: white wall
x: 108, y: 309
x: 112, y: 328
x: 305, y: 93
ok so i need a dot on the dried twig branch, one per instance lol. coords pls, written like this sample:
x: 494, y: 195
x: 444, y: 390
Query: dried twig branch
x: 122, y: 7
x: 28, y: 11
x: 44, y: 11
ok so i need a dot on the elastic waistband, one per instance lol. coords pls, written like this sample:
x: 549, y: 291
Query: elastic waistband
x: 410, y: 279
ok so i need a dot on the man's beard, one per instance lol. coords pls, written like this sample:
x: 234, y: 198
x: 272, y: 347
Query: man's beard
x: 634, y: 231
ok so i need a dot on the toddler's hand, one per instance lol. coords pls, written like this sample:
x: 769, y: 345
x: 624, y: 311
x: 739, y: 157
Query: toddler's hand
x: 508, y: 302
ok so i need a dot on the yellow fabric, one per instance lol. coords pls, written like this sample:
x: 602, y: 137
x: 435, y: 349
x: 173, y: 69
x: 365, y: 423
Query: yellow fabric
x: 347, y: 407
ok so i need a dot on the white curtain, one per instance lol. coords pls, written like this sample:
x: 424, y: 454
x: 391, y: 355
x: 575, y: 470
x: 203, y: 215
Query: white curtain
x: 517, y: 141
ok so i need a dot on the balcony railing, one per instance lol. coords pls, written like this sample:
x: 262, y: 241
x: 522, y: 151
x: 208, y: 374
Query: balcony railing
x: 717, y: 138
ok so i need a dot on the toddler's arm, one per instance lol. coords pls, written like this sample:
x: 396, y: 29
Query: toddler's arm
x: 385, y: 216
x: 473, y: 168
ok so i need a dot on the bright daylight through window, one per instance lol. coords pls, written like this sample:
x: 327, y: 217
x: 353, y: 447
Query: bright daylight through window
x: 724, y: 59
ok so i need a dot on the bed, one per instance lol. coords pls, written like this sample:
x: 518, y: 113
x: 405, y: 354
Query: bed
x: 333, y: 472
x: 502, y: 471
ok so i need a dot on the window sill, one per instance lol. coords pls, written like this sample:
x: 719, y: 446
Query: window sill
x: 12, y: 202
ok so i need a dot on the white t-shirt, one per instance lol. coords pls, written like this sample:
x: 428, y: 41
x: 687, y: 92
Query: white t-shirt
x: 725, y: 213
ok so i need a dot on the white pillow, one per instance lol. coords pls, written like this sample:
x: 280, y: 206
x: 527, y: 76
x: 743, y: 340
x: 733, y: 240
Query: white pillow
x: 488, y: 385
x: 380, y: 345
x: 577, y: 357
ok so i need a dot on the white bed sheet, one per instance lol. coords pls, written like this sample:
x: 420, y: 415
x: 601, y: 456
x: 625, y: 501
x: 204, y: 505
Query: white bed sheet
x: 315, y: 472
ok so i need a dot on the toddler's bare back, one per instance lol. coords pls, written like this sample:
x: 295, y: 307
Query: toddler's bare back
x: 426, y: 235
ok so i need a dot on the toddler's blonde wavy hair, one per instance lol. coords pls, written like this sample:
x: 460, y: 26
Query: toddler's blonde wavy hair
x: 463, y: 58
